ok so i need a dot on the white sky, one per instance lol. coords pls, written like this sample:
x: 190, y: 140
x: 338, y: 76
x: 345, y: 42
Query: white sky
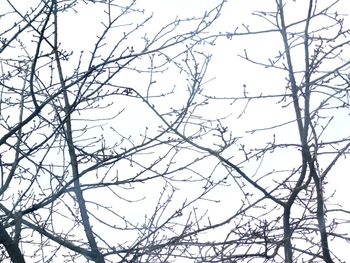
x: 79, y: 31
x: 231, y: 72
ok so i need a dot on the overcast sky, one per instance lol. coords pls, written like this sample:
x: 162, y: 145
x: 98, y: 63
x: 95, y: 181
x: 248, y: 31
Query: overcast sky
x: 228, y: 74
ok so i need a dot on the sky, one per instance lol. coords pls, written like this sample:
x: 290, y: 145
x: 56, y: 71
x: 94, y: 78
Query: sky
x: 227, y: 74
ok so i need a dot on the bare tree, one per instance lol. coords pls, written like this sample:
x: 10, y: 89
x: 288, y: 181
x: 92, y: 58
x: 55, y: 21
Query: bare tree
x: 119, y: 147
